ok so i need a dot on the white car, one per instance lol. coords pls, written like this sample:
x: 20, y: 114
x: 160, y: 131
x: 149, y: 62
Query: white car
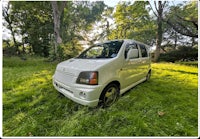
x: 103, y: 72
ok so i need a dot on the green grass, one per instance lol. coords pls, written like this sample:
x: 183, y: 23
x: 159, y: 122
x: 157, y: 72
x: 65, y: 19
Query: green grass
x: 167, y: 105
x: 191, y: 63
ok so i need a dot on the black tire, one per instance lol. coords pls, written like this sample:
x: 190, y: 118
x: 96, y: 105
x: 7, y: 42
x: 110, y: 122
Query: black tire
x: 148, y: 76
x: 109, y: 95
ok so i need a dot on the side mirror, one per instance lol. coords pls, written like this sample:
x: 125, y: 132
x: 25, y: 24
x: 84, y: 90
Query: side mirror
x: 132, y: 53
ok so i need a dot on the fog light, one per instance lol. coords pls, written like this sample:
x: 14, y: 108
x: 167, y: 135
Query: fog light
x: 55, y: 83
x: 82, y: 95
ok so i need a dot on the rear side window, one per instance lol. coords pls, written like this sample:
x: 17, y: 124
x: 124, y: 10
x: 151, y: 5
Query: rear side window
x: 143, y: 51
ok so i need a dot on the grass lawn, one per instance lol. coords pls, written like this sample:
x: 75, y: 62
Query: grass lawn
x: 167, y: 105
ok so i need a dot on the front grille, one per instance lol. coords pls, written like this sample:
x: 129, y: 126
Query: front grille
x: 64, y: 77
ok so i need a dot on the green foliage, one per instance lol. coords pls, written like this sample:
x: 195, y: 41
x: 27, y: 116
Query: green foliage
x: 90, y: 11
x: 105, y: 24
x: 79, y: 16
x: 65, y: 51
x: 182, y: 53
x: 76, y: 18
x: 68, y: 50
x: 134, y: 22
x: 34, y: 23
x: 8, y: 48
x: 184, y: 18
x: 167, y: 105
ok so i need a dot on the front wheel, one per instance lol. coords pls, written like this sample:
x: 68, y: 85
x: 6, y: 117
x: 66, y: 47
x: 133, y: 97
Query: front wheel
x: 109, y: 95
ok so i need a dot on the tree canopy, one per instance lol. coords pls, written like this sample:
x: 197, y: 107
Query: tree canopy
x: 133, y: 21
x: 56, y: 29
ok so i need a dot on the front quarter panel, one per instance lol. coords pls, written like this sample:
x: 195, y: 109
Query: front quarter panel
x: 111, y: 71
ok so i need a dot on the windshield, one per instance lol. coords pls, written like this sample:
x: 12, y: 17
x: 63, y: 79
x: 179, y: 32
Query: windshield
x: 104, y: 50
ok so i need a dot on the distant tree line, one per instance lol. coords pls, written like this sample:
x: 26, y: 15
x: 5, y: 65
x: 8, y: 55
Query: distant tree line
x: 55, y: 29
x: 48, y: 28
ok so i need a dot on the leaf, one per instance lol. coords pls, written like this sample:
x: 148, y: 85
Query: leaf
x: 161, y: 113
x: 30, y: 134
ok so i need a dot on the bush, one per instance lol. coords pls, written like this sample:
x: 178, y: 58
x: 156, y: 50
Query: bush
x: 183, y: 53
x: 65, y: 51
x: 9, y: 51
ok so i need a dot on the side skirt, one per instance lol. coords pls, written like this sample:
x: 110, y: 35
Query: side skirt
x: 132, y: 85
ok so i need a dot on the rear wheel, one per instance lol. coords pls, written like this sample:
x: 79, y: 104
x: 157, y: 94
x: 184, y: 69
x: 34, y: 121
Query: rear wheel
x: 109, y: 95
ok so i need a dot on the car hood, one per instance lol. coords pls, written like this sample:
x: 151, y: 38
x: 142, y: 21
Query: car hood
x: 75, y: 66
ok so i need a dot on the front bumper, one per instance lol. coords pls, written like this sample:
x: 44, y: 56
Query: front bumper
x: 82, y: 94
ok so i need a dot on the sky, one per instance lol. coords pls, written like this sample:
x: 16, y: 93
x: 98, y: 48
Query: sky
x: 5, y: 32
x: 111, y: 3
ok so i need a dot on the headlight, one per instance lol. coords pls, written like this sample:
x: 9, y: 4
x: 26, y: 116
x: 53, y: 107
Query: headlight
x: 88, y: 77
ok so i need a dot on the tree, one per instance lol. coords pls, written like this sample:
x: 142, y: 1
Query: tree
x: 171, y: 38
x: 184, y: 19
x: 159, y: 8
x: 76, y: 20
x: 108, y: 12
x: 133, y: 22
x: 33, y: 26
x: 105, y: 24
x: 181, y: 23
x: 101, y: 28
x: 58, y: 8
x: 10, y: 19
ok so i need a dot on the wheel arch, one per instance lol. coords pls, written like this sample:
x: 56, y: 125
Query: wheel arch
x: 112, y: 82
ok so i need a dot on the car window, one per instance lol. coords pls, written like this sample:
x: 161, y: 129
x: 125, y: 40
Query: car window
x: 143, y: 51
x: 95, y: 52
x: 104, y: 50
x: 130, y: 46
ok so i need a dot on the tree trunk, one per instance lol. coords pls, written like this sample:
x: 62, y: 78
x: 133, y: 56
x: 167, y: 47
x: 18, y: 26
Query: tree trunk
x: 193, y: 41
x: 57, y: 11
x: 107, y: 28
x: 175, y: 40
x: 159, y: 30
x: 14, y: 40
x: 9, y: 20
